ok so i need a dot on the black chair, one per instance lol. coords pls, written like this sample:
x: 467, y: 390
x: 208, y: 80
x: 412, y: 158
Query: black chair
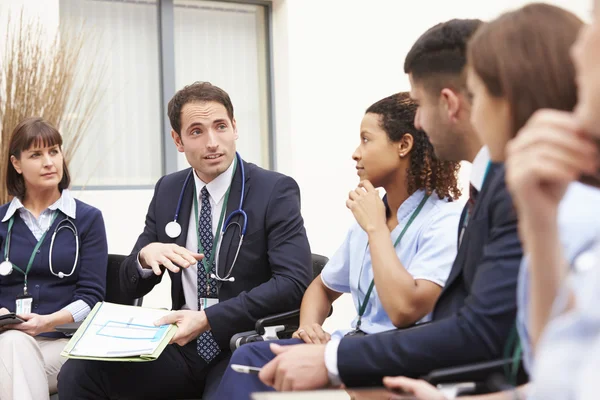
x: 113, y: 291
x: 278, y: 326
x: 479, y: 378
x: 113, y: 283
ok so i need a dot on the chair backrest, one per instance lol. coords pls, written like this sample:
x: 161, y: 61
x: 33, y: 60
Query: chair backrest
x: 113, y: 283
x: 318, y: 262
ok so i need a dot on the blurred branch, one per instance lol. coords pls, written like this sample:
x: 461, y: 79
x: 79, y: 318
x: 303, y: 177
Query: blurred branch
x: 46, y: 77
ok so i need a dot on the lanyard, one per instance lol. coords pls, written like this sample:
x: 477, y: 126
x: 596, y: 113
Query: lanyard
x: 207, y: 265
x: 33, y: 253
x: 363, y: 306
x: 513, y: 342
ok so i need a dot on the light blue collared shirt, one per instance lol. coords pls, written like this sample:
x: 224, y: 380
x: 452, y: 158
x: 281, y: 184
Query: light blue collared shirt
x: 568, y: 356
x: 579, y: 227
x: 427, y: 251
x: 66, y: 204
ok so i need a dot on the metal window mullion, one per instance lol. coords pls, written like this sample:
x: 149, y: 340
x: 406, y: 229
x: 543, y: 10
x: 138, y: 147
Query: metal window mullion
x: 166, y: 39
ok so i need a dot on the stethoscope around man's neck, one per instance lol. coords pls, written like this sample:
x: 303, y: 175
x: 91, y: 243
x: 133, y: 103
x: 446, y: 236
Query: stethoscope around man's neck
x: 173, y: 228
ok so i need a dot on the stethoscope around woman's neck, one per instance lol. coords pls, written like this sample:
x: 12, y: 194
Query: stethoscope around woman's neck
x: 7, y: 267
x: 173, y: 228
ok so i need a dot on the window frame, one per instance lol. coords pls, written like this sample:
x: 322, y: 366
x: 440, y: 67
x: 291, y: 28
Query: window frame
x: 166, y: 62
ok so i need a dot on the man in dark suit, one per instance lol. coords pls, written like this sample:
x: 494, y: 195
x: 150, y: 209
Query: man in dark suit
x: 218, y: 291
x: 476, y: 309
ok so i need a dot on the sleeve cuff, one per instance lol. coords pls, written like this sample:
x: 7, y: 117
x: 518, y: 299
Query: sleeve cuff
x: 144, y: 272
x: 79, y: 309
x: 331, y: 364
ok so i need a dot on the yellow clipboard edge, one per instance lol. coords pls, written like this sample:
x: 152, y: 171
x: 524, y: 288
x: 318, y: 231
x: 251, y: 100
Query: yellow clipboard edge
x: 141, y: 358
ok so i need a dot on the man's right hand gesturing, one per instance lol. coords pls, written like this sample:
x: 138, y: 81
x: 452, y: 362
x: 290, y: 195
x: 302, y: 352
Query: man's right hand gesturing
x: 169, y: 255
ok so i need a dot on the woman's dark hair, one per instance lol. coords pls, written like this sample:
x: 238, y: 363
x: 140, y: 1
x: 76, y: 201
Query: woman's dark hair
x: 33, y: 131
x: 523, y: 56
x: 426, y: 171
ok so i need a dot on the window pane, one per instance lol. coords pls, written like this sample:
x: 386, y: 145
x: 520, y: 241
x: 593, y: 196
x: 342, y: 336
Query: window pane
x: 225, y: 44
x: 123, y: 143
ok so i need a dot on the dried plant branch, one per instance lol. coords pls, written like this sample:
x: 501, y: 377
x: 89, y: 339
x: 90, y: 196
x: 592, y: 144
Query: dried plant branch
x: 47, y: 78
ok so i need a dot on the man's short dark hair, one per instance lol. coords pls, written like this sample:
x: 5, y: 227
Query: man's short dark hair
x: 197, y: 92
x: 441, y: 51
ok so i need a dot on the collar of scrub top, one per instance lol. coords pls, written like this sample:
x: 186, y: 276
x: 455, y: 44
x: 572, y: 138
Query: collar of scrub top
x: 66, y: 204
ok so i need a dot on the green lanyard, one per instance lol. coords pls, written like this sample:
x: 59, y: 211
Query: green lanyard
x: 513, y: 342
x: 33, y: 253
x: 207, y: 265
x: 363, y: 306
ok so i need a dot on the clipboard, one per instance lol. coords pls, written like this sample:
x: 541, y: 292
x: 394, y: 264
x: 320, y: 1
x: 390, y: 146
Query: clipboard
x: 115, y: 332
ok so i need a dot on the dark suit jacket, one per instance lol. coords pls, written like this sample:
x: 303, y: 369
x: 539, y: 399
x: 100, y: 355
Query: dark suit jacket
x: 475, y: 311
x: 274, y: 265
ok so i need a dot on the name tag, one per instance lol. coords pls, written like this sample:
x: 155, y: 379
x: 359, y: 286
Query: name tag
x: 205, y: 303
x: 23, y: 304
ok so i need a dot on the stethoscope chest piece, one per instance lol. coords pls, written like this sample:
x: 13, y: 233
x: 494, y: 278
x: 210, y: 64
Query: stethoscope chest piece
x: 6, y: 268
x: 173, y: 229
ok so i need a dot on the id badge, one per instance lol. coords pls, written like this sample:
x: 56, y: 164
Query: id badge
x: 24, y: 302
x: 206, y: 302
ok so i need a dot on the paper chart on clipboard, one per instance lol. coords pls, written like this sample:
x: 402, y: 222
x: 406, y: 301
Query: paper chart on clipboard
x: 114, y: 331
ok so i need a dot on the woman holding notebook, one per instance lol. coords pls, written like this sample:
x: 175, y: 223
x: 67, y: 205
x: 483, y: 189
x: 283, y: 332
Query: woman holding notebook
x: 53, y: 267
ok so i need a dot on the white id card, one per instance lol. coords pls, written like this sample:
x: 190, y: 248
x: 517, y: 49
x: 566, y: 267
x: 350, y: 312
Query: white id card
x: 23, y: 304
x: 205, y: 303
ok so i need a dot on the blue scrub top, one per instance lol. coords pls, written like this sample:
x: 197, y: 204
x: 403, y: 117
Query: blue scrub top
x: 427, y: 251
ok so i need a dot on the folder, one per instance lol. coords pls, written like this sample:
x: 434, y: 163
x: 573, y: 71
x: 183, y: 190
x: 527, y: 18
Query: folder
x: 115, y: 332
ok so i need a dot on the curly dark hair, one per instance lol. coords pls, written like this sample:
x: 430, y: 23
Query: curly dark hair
x: 426, y: 171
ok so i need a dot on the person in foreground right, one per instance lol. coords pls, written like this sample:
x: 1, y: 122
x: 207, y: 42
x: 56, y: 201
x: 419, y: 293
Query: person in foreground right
x: 552, y: 151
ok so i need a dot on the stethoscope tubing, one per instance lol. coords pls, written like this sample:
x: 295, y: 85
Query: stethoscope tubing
x: 61, y: 225
x: 73, y: 230
x: 226, y: 225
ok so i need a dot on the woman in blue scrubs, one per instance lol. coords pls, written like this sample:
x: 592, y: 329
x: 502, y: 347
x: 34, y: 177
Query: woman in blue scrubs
x: 398, y: 253
x: 54, y: 258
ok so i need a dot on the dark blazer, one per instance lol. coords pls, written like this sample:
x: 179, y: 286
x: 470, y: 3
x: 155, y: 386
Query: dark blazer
x: 475, y: 311
x: 273, y: 268
x: 51, y: 293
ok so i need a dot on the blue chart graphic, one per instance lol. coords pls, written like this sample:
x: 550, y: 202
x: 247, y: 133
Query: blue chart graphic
x: 126, y: 330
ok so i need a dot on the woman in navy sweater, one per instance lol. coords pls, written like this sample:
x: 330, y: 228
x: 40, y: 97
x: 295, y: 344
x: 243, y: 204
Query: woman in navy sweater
x: 53, y: 267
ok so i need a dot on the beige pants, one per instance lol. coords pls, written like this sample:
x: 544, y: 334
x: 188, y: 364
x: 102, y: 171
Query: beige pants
x: 29, y: 366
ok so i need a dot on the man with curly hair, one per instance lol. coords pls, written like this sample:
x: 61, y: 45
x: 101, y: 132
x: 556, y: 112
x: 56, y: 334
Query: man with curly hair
x: 396, y: 257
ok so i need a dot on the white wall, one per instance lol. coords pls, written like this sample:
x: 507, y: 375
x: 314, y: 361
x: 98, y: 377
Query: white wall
x: 332, y: 60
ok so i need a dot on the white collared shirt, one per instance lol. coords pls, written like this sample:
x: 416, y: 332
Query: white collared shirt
x: 216, y: 189
x: 479, y: 168
x: 37, y: 226
x: 189, y: 276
